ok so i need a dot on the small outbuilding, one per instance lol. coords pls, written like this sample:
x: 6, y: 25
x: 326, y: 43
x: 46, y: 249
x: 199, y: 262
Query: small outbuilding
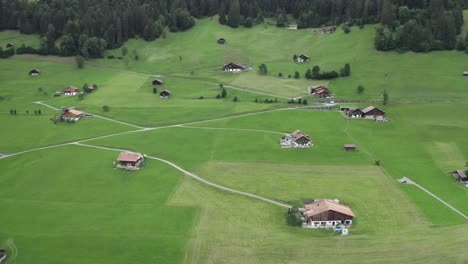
x: 10, y: 45
x: 158, y: 82
x: 71, y: 91
x: 293, y: 27
x: 89, y: 89
x: 166, y: 94
x: 465, y: 73
x: 34, y: 72
x: 130, y: 160
x: 222, y: 41
x: 3, y: 255
x: 350, y: 147
x: 71, y: 114
x: 327, y: 213
x: 234, y: 67
x: 302, y: 58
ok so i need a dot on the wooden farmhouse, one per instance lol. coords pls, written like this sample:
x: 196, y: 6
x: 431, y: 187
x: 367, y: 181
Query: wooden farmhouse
x: 328, y: 29
x: 372, y: 112
x: 3, y: 255
x: 293, y: 26
x: 221, y: 41
x: 166, y: 94
x: 71, y: 91
x: 465, y: 73
x: 355, y: 112
x: 297, y: 139
x: 71, y: 114
x: 302, y: 58
x: 327, y: 213
x: 350, y: 147
x: 130, y: 160
x: 34, y: 72
x: 320, y: 91
x: 460, y: 176
x: 158, y: 83
x: 234, y: 67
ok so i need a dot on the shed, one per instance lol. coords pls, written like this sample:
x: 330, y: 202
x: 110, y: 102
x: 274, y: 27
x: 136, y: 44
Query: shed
x: 157, y: 82
x: 165, y: 94
x: 34, y: 72
x: 128, y: 159
x: 221, y: 41
x: 350, y: 147
x: 460, y: 175
x: 355, y: 112
x: 90, y: 89
x: 465, y: 73
x: 293, y: 27
x: 10, y: 45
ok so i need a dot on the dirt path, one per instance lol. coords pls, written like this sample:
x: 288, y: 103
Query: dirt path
x: 406, y: 180
x: 196, y: 177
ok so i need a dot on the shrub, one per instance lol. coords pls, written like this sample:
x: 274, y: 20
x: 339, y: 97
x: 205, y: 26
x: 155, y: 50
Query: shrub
x: 105, y: 108
x: 235, y: 99
x: 346, y: 29
x: 111, y: 57
x: 377, y: 163
x: 80, y: 61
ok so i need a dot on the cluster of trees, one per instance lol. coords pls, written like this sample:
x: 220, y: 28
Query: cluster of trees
x: 262, y: 69
x: 86, y: 27
x: 267, y: 101
x: 36, y: 112
x: 6, y: 53
x: 298, y: 101
x: 421, y: 26
x: 316, y: 74
x: 223, y: 93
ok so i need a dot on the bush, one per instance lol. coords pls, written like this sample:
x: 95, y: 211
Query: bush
x: 80, y: 61
x: 235, y: 99
x: 293, y: 218
x: 377, y: 163
x: 105, y: 108
x: 111, y: 57
x: 346, y: 29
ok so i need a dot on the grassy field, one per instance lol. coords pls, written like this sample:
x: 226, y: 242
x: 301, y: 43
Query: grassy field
x: 17, y: 39
x: 64, y: 201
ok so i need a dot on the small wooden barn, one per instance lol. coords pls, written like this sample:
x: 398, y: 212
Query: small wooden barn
x: 327, y: 213
x: 460, y: 176
x: 71, y: 91
x: 129, y: 160
x: 90, y: 89
x: 10, y: 45
x: 355, y: 112
x: 465, y: 73
x: 34, y: 72
x: 165, y: 94
x: 222, y: 41
x: 350, y: 147
x: 158, y: 82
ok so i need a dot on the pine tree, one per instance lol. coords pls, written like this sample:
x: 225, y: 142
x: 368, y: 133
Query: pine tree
x: 388, y: 16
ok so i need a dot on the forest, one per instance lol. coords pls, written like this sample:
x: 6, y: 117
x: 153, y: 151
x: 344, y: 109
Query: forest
x: 87, y: 27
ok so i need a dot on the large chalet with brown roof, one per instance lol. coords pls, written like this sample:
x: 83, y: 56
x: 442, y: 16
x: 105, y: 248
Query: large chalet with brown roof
x: 71, y: 114
x: 320, y: 91
x: 327, y: 213
x: 130, y: 160
x: 372, y: 112
x: 297, y: 139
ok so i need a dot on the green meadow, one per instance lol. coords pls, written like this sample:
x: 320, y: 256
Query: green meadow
x: 68, y: 204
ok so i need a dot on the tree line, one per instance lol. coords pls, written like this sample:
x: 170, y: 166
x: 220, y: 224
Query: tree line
x: 87, y: 27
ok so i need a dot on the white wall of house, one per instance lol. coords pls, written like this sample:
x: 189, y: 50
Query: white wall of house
x: 70, y: 94
x: 324, y: 224
x: 2, y: 258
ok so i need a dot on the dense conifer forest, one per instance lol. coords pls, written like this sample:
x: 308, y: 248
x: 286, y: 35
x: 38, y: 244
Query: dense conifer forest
x: 87, y: 27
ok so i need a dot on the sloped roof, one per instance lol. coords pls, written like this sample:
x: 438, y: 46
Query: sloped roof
x: 299, y: 134
x: 321, y: 206
x: 370, y: 108
x: 129, y: 156
x: 71, y: 89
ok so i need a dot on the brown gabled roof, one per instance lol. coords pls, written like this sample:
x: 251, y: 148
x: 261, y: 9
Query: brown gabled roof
x: 350, y: 146
x: 299, y: 134
x: 461, y: 173
x: 71, y: 89
x: 370, y: 108
x: 129, y: 156
x: 304, y: 56
x: 72, y: 113
x: 321, y: 206
x: 465, y: 73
